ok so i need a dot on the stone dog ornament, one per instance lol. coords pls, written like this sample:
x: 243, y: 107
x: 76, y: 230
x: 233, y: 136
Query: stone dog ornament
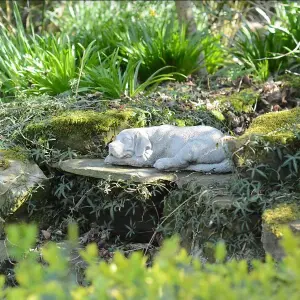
x: 169, y: 148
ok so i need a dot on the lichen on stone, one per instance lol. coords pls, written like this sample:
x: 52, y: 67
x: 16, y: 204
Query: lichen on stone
x: 11, y: 204
x: 277, y: 218
x: 266, y: 143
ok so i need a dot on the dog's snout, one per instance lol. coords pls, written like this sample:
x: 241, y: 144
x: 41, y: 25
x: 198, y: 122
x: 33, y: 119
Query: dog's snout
x: 116, y: 149
x: 115, y: 144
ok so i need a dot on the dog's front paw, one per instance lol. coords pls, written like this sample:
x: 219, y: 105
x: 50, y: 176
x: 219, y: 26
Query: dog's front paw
x: 162, y: 164
x: 108, y: 159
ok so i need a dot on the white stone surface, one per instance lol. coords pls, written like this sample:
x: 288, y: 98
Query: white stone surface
x: 168, y: 148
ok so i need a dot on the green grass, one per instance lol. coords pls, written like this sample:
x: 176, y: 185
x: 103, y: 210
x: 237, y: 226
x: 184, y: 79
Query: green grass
x: 14, y: 48
x: 169, y: 45
x: 266, y: 51
x: 55, y: 64
x: 139, y: 45
x: 114, y: 81
x: 51, y: 70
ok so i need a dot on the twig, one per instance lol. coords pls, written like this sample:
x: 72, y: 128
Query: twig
x: 293, y: 73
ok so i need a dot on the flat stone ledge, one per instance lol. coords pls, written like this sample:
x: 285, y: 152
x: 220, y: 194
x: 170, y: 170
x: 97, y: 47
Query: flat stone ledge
x: 96, y: 168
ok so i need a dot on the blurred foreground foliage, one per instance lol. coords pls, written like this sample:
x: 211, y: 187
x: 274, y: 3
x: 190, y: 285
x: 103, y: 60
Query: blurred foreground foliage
x: 172, y: 275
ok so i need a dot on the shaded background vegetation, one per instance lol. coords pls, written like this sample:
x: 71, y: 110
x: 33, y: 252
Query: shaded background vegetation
x: 83, y: 46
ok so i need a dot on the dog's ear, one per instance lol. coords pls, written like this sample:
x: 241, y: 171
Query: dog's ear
x: 142, y: 144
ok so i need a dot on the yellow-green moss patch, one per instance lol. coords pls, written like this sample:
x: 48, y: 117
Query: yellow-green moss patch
x: 101, y: 122
x: 242, y: 101
x: 84, y: 130
x: 277, y: 218
x: 218, y: 115
x: 275, y: 126
x: 87, y: 121
x: 4, y: 164
x: 15, y: 153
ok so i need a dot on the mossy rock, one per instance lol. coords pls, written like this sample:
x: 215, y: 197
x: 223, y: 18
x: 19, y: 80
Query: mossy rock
x: 276, y: 222
x: 275, y: 127
x: 243, y: 101
x: 84, y: 131
x: 16, y: 153
x: 278, y: 218
x: 20, y: 180
x: 278, y: 130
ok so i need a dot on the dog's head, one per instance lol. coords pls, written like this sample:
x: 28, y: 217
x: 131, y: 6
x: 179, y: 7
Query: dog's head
x: 130, y: 143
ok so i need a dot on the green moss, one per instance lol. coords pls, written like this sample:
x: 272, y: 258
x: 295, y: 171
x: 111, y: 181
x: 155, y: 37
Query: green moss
x: 180, y: 123
x: 280, y: 129
x: 80, y: 129
x: 4, y: 164
x: 100, y: 122
x: 86, y: 121
x: 242, y: 101
x: 276, y: 219
x: 218, y: 115
x: 275, y: 126
x: 290, y: 80
x: 16, y: 153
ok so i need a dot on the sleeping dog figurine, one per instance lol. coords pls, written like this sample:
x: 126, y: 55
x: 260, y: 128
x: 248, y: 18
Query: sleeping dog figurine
x: 169, y: 148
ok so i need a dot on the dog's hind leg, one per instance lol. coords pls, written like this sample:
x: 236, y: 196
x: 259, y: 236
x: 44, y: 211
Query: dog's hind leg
x: 197, y: 151
x: 225, y: 166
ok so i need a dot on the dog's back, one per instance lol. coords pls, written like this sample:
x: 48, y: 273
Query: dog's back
x: 167, y: 140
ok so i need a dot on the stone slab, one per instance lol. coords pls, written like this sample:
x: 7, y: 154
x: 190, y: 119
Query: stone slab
x: 96, y: 168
